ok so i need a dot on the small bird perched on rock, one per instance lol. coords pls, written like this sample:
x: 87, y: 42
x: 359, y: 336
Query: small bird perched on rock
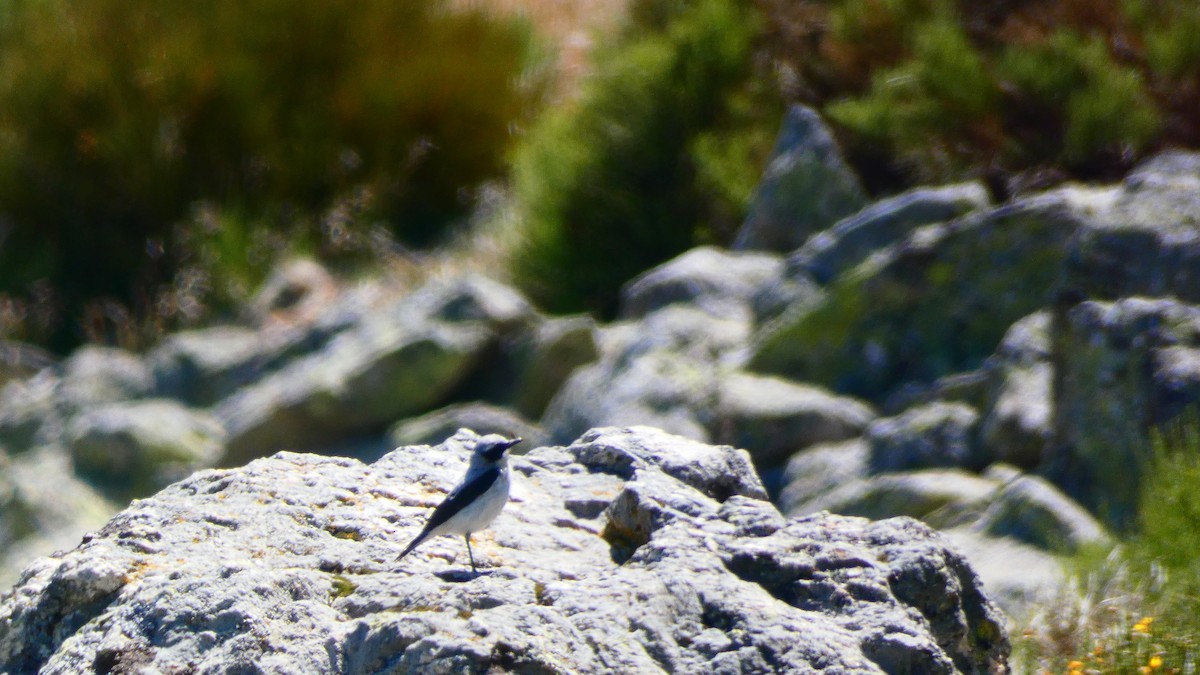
x: 477, y: 500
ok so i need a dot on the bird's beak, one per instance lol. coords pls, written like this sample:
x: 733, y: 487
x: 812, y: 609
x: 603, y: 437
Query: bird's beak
x: 513, y: 442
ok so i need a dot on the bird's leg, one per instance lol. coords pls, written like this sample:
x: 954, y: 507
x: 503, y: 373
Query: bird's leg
x: 474, y: 571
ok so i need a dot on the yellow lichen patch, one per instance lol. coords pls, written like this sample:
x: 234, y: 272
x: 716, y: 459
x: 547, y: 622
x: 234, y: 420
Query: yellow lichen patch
x: 138, y: 570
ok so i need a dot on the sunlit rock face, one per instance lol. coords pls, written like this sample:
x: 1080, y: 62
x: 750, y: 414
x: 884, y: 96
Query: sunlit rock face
x: 629, y: 550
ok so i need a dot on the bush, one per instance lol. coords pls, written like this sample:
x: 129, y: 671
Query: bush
x: 1015, y: 91
x: 921, y: 107
x: 117, y: 115
x: 653, y: 157
x: 1105, y: 108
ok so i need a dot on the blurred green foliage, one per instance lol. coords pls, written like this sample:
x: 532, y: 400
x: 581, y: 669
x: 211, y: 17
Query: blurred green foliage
x: 1138, y: 612
x: 1168, y: 534
x: 659, y: 152
x: 121, y: 121
x: 1016, y: 91
x: 665, y: 143
x: 1104, y: 106
x: 116, y: 116
x: 942, y: 90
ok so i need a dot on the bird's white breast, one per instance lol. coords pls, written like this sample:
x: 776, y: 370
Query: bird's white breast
x: 480, y: 513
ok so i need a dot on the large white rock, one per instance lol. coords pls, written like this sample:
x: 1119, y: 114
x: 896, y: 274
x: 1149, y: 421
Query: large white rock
x: 629, y: 551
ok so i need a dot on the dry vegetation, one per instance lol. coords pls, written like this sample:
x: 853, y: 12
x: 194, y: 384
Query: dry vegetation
x: 571, y: 27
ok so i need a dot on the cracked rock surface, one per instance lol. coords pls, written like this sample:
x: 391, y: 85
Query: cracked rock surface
x: 630, y: 550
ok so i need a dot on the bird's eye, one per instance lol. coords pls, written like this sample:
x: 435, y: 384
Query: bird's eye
x: 493, y: 451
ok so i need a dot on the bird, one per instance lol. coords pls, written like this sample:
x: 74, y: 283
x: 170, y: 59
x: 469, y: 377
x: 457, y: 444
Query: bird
x: 476, y: 501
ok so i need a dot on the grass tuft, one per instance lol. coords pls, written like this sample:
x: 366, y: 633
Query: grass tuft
x: 1133, y: 609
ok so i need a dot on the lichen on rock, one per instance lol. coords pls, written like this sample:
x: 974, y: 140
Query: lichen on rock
x: 628, y: 551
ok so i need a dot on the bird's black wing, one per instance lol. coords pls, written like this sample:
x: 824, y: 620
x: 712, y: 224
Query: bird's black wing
x: 462, y: 496
x: 454, y: 502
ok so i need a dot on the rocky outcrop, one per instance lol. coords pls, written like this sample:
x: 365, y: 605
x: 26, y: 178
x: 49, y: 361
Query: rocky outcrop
x: 936, y: 302
x: 28, y: 412
x: 662, y: 370
x: 99, y: 375
x: 1016, y: 418
x: 296, y: 293
x: 334, y: 381
x: 432, y: 428
x: 628, y: 551
x: 34, y: 411
x: 201, y: 367
x: 204, y: 366
x: 774, y: 418
x: 405, y: 359
x: 132, y: 449
x: 806, y: 187
x: 1019, y: 577
x: 722, y: 283
x: 812, y: 473
x: 44, y: 507
x: 929, y: 436
x: 986, y: 369
x: 998, y: 513
x: 1123, y: 368
x: 942, y: 498
x: 1147, y: 242
x: 19, y: 360
x: 1001, y: 502
x: 528, y: 366
x: 1030, y: 509
x: 826, y: 255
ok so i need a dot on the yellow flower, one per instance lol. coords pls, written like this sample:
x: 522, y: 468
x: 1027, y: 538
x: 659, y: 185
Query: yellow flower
x: 1155, y: 662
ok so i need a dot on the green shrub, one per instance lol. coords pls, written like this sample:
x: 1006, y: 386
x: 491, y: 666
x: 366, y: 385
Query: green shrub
x: 1104, y: 107
x: 881, y: 31
x: 637, y: 170
x: 117, y: 115
x: 1170, y: 29
x: 948, y: 89
x: 922, y: 107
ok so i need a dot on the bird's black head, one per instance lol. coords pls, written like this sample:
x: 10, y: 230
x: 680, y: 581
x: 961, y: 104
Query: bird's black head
x: 492, y: 447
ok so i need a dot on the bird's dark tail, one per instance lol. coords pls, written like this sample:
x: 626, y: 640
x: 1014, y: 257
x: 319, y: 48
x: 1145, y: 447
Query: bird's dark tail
x: 413, y: 544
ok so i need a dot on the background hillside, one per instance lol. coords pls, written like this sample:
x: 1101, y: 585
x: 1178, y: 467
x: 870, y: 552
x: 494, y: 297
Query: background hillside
x: 158, y: 156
